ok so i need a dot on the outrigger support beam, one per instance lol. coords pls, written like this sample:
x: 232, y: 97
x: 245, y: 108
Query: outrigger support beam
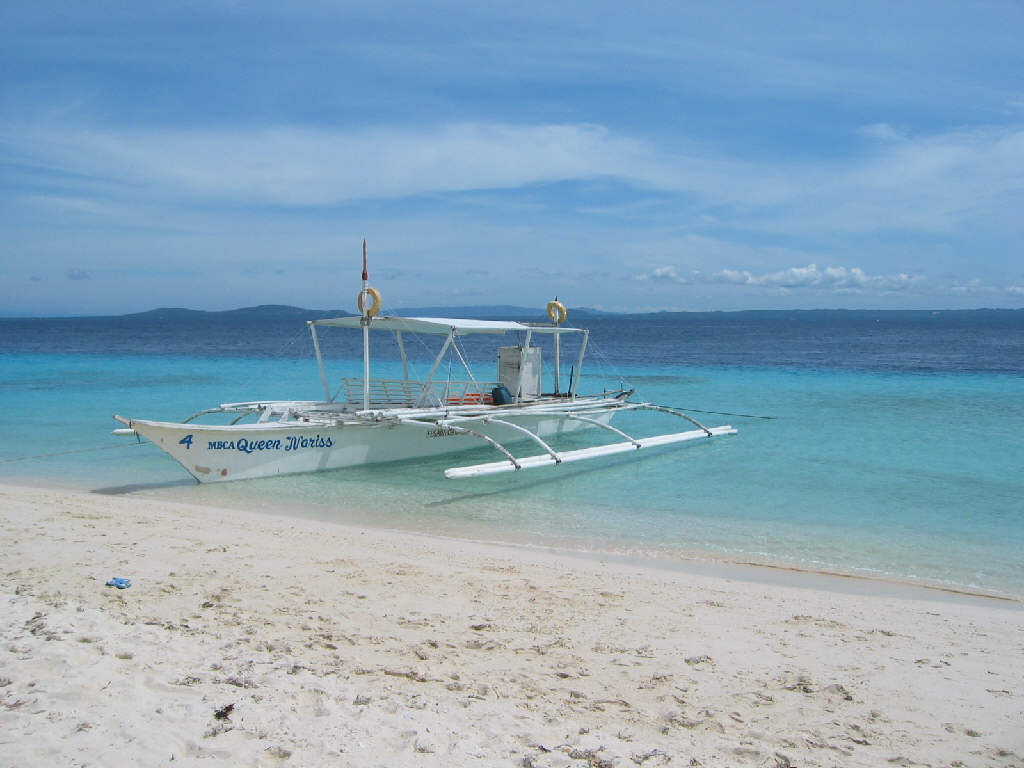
x: 532, y: 435
x: 464, y: 430
x: 663, y: 409
x: 609, y: 427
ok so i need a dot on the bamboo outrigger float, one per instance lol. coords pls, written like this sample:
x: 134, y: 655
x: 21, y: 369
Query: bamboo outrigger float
x: 371, y: 420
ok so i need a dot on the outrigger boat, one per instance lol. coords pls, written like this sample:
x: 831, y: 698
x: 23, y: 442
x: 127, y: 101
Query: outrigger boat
x: 372, y: 420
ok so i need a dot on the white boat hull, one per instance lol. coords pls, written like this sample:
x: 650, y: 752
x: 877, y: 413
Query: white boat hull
x: 212, y: 453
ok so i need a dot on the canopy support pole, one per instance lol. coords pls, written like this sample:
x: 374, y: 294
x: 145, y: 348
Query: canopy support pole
x: 366, y: 362
x: 579, y: 365
x: 433, y: 369
x: 320, y: 361
x: 522, y: 365
x: 465, y: 365
x: 557, y: 351
x: 405, y: 360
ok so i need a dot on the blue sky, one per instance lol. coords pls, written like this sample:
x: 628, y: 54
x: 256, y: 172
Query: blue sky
x: 623, y: 156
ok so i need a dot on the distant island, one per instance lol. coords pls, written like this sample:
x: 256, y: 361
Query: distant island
x: 286, y: 313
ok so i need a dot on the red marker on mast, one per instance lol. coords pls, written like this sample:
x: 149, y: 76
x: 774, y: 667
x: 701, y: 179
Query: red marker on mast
x: 368, y: 301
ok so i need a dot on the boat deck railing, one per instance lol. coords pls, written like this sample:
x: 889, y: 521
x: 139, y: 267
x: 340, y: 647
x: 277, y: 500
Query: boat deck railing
x: 405, y: 392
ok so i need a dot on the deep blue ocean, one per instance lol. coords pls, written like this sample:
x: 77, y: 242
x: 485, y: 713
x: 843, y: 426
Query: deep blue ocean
x: 894, y: 447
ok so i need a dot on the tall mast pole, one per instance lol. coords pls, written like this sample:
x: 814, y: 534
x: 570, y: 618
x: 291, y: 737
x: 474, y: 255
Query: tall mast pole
x: 365, y: 322
x: 557, y: 349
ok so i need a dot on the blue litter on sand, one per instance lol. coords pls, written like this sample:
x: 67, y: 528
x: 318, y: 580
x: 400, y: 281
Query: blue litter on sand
x: 120, y: 583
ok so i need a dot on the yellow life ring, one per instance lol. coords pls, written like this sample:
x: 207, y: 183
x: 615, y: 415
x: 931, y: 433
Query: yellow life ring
x: 556, y: 311
x: 374, y: 306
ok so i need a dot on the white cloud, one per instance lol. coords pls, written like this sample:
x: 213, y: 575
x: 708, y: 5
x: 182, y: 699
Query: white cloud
x: 811, y: 276
x: 978, y: 286
x: 933, y: 184
x: 71, y: 204
x: 969, y: 286
x: 301, y: 166
x: 928, y: 184
x: 881, y: 131
x: 666, y: 274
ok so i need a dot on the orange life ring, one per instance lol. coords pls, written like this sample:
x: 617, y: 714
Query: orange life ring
x: 556, y: 311
x: 374, y: 294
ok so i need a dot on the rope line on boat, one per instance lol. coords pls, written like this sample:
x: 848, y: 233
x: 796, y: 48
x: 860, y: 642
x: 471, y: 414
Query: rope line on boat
x: 606, y: 369
x: 720, y: 413
x: 65, y: 453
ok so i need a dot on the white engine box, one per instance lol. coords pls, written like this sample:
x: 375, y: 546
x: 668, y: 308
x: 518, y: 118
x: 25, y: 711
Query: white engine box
x: 508, y: 369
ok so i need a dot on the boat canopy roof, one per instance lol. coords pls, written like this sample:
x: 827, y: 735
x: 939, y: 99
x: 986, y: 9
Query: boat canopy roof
x: 442, y: 326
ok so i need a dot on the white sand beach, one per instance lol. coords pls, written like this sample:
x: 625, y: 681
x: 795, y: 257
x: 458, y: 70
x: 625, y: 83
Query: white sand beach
x: 253, y: 639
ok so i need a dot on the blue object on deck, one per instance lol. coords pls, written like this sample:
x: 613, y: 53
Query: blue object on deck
x: 120, y: 583
x: 501, y: 395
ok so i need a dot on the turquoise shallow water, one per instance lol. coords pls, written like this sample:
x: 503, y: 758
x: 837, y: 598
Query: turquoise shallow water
x: 902, y: 474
